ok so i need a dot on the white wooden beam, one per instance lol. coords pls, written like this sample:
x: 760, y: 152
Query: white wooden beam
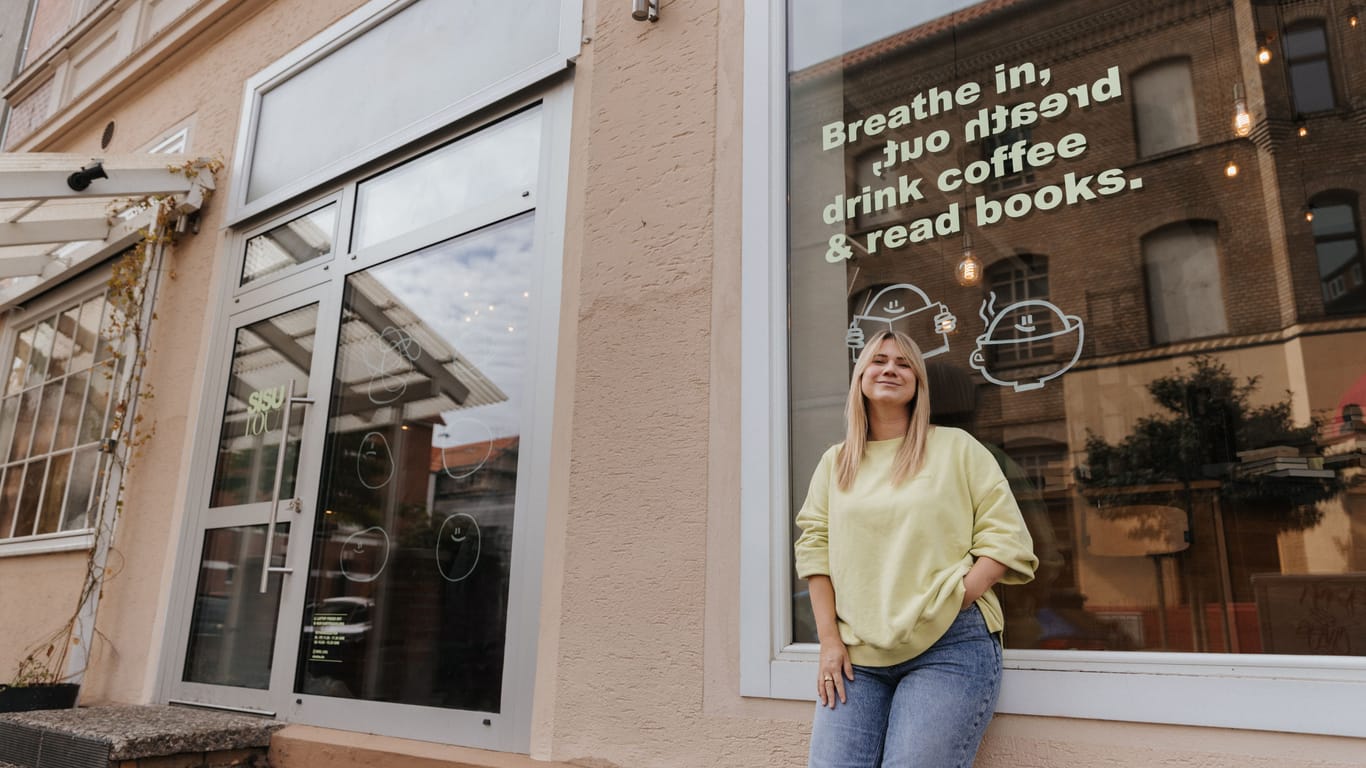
x: 127, y: 182
x: 23, y: 266
x: 57, y: 231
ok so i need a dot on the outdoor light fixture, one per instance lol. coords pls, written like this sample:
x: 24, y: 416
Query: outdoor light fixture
x: 969, y: 271
x: 645, y: 10
x: 1242, y: 119
x: 81, y: 179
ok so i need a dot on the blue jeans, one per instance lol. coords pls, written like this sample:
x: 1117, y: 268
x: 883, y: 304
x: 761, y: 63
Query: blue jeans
x: 928, y: 712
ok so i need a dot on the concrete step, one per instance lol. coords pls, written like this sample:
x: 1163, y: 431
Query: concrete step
x: 134, y: 737
x: 305, y: 746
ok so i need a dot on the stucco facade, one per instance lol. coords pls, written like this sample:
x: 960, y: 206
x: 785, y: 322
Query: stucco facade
x: 638, y: 649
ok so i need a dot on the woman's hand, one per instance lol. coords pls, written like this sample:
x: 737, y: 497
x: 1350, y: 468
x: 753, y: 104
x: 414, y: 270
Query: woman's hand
x: 979, y: 578
x: 834, y: 668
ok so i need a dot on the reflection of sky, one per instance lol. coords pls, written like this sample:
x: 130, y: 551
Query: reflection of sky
x: 821, y: 29
x: 450, y: 287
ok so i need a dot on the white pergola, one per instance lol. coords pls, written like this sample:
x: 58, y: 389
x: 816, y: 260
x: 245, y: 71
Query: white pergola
x: 50, y: 229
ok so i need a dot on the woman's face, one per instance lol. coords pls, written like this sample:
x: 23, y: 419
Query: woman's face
x: 888, y: 379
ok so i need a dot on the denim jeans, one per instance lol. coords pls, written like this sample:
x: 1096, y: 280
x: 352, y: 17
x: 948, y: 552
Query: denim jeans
x: 929, y: 712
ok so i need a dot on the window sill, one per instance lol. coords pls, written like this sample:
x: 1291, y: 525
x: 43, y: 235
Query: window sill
x: 67, y: 541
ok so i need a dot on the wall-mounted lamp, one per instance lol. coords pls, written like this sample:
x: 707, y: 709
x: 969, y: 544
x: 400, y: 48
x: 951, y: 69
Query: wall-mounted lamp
x: 645, y: 10
x: 81, y: 179
x: 1242, y: 119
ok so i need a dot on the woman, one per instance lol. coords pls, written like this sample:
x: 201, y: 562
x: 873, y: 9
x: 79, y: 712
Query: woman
x: 905, y: 529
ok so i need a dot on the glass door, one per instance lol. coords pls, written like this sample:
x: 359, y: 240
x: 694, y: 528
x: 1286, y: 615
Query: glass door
x: 258, y: 501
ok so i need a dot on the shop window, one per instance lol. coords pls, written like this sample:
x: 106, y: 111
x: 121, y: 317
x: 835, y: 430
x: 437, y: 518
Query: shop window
x: 1185, y: 286
x: 1008, y: 138
x: 1306, y: 60
x: 1164, y: 107
x: 1190, y: 498
x: 866, y: 177
x: 1337, y: 246
x: 54, y: 412
x: 1022, y: 281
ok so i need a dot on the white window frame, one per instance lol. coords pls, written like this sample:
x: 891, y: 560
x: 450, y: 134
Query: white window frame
x: 1298, y: 694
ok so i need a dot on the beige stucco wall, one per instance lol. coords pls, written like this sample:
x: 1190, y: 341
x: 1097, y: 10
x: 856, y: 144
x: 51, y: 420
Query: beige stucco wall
x: 639, y: 643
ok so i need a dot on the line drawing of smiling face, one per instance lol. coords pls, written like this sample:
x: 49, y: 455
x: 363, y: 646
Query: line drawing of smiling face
x: 1033, y: 321
x: 902, y: 307
x: 369, y: 546
x: 458, y: 544
x: 374, y: 461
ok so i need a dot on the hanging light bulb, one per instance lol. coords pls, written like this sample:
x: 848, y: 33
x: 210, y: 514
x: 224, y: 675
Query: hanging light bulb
x: 1231, y: 169
x: 1242, y: 119
x: 1308, y: 214
x: 1352, y: 20
x: 1303, y: 131
x: 969, y: 271
x: 1263, y: 54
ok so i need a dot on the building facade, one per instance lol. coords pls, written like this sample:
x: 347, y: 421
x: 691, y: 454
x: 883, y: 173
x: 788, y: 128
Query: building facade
x: 481, y: 393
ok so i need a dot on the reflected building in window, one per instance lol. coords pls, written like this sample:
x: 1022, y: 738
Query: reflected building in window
x: 1196, y: 462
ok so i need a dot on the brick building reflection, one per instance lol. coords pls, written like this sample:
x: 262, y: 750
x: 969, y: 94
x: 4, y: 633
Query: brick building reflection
x: 1233, y: 253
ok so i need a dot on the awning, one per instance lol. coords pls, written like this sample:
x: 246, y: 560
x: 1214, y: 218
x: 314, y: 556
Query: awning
x: 63, y: 213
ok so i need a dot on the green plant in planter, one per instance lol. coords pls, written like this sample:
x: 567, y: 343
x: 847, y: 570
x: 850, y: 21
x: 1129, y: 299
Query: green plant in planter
x: 45, y: 664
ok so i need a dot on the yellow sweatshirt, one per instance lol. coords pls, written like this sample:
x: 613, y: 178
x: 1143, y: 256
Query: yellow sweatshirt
x: 896, y: 555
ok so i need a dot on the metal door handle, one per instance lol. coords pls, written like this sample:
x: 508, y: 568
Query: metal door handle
x: 266, y: 568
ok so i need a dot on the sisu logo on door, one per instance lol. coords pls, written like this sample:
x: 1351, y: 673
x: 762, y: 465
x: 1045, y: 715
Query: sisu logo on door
x: 260, y: 405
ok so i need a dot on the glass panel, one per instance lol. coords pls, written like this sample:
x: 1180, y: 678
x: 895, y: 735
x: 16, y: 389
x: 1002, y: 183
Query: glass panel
x: 34, y: 472
x: 9, y: 499
x: 9, y: 411
x: 50, y: 514
x: 83, y: 480
x: 1176, y: 397
x: 96, y: 404
x: 498, y: 161
x: 267, y: 356
x: 106, y: 343
x: 87, y: 334
x: 47, y: 418
x: 42, y: 351
x: 232, y: 631
x: 1164, y: 108
x: 303, y: 239
x: 71, y: 411
x: 23, y: 430
x: 408, y: 589
x: 64, y: 343
x: 23, y: 347
x: 381, y: 81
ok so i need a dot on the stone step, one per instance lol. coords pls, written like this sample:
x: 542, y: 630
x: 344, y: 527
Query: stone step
x: 134, y: 737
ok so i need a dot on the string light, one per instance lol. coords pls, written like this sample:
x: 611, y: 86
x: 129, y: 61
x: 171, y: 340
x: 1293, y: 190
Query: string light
x: 1263, y: 55
x: 1242, y: 119
x: 1308, y: 214
x: 1303, y: 131
x: 1231, y: 169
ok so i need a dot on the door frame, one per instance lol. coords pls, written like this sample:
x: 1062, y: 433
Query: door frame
x: 509, y: 730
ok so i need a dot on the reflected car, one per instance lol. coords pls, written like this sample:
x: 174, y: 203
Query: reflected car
x: 349, y: 617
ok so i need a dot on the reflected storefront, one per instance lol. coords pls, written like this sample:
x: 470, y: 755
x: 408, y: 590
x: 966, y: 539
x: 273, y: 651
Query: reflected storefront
x: 1131, y: 253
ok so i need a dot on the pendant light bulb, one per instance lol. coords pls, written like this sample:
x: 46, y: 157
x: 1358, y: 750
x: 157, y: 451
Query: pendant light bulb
x: 969, y: 271
x: 1263, y: 55
x: 1231, y: 170
x: 1242, y: 119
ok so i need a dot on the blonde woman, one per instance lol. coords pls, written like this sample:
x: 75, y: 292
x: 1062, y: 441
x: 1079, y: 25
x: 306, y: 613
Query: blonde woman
x: 905, y: 529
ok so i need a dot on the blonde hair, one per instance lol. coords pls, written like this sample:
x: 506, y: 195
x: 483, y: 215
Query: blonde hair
x: 911, y: 455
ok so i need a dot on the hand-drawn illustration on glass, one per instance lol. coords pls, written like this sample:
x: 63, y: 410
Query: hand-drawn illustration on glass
x: 457, y: 547
x: 364, y: 554
x: 386, y: 383
x: 465, y: 460
x: 901, y: 307
x: 1026, y: 322
x: 374, y: 461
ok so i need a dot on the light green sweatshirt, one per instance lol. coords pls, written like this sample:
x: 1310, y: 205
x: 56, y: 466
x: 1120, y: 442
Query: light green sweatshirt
x: 896, y: 555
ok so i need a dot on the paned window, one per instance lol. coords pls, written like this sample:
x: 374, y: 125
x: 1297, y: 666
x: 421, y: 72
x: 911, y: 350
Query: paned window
x: 53, y: 416
x: 1185, y: 285
x: 1337, y: 245
x: 1022, y: 282
x: 1306, y: 60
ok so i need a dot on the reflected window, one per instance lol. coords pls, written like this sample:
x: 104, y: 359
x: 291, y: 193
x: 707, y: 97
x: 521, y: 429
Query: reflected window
x: 1007, y: 139
x: 1164, y: 107
x: 1337, y: 245
x: 1306, y: 60
x: 1026, y: 333
x: 54, y: 412
x: 1185, y: 287
x: 301, y: 240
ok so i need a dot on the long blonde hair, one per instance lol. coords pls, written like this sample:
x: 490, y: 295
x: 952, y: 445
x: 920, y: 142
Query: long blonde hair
x: 911, y: 455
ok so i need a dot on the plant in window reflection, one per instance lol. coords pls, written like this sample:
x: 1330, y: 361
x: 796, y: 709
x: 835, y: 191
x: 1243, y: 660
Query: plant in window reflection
x: 127, y: 291
x: 1210, y: 418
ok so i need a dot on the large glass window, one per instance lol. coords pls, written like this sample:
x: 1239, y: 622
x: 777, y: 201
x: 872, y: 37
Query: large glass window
x: 1178, y: 419
x: 1307, y: 62
x: 53, y: 415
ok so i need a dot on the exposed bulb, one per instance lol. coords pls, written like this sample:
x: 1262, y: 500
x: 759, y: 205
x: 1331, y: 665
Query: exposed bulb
x: 1304, y: 131
x: 1231, y: 169
x: 1309, y: 214
x: 1263, y: 55
x: 1242, y: 119
x: 969, y: 270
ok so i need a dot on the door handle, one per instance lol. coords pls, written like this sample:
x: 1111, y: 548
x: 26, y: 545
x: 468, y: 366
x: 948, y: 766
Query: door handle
x: 266, y: 568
